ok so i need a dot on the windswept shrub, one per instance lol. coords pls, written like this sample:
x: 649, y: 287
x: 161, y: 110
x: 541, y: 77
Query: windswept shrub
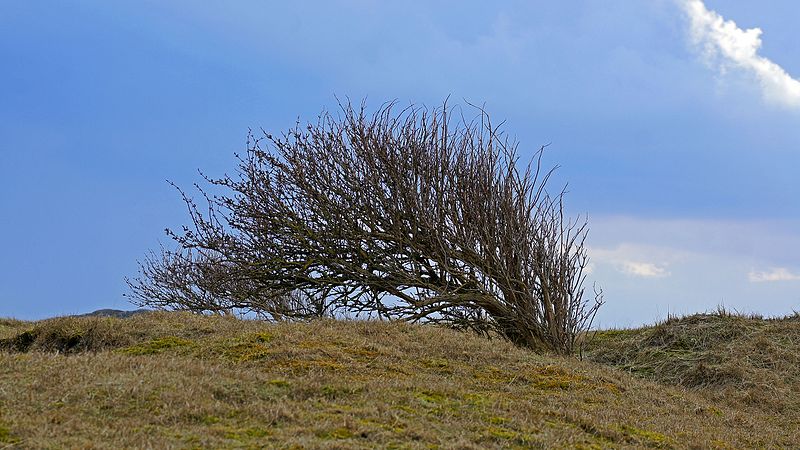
x: 400, y: 215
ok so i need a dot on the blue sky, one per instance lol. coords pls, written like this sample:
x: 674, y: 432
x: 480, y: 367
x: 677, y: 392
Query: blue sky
x: 675, y: 128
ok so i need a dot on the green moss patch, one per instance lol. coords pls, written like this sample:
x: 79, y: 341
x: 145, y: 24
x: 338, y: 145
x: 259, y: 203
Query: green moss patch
x: 157, y: 346
x: 250, y: 347
x: 243, y: 434
x: 6, y: 437
x: 555, y: 378
x: 431, y: 398
x: 336, y: 433
x: 508, y: 437
x: 645, y: 437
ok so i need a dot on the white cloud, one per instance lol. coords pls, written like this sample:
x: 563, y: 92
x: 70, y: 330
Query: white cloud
x: 643, y: 269
x: 633, y: 260
x: 774, y: 274
x: 724, y: 42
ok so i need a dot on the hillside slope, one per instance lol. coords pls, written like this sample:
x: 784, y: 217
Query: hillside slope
x: 172, y: 380
x: 742, y: 361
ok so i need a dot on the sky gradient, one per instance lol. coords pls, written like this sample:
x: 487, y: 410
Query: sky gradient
x: 675, y: 123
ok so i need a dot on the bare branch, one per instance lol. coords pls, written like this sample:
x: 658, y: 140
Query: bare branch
x: 397, y: 215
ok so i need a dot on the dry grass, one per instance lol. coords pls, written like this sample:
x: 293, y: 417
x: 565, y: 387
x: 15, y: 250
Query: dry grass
x: 171, y: 380
x: 743, y: 361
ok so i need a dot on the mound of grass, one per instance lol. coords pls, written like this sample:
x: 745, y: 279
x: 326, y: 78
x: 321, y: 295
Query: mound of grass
x: 178, y: 380
x: 734, y: 358
x: 76, y: 334
x: 10, y: 327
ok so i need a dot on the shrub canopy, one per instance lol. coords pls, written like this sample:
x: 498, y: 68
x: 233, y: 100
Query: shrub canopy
x: 405, y: 214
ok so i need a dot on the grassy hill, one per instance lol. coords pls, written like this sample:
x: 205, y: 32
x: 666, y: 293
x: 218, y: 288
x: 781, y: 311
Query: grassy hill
x: 185, y: 381
x: 746, y: 362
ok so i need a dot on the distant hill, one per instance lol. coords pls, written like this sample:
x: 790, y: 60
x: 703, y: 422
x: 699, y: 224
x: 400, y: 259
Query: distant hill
x: 118, y: 313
